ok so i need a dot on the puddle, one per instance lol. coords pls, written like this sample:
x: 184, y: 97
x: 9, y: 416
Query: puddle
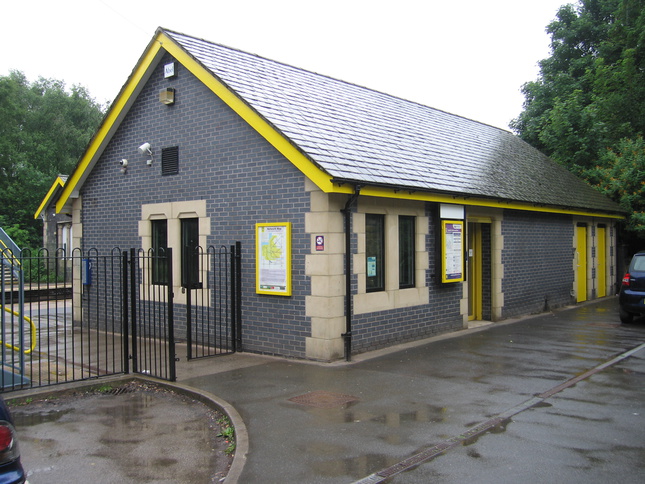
x: 355, y: 467
x: 426, y: 414
x: 129, y: 437
x: 22, y: 420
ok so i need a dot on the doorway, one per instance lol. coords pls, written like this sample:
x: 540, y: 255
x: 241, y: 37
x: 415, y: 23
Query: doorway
x: 601, y: 254
x: 479, y: 271
x: 581, y: 262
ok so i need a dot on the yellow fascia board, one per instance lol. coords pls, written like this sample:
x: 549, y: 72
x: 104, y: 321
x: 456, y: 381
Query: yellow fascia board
x: 57, y: 183
x: 476, y: 202
x: 257, y: 122
x: 111, y: 118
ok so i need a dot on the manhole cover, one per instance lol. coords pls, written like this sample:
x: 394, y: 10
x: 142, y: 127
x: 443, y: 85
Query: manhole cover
x: 323, y: 399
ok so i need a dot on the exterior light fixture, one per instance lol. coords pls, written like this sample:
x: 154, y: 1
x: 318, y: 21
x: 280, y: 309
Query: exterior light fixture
x: 167, y: 96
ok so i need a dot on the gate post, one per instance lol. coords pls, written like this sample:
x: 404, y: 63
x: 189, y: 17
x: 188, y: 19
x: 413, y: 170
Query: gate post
x: 124, y: 315
x: 236, y: 296
x: 133, y: 301
x: 189, y: 321
x: 171, y: 319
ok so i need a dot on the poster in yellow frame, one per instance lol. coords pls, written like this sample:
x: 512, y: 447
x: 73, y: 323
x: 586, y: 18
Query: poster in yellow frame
x: 273, y: 258
x: 452, y: 251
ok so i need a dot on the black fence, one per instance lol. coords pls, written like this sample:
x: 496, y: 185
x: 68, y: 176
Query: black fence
x: 64, y: 318
x: 84, y: 315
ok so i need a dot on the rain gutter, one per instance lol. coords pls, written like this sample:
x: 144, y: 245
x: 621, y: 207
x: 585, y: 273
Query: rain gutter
x: 347, y: 213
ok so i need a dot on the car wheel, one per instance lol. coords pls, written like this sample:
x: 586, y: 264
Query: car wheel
x: 625, y: 317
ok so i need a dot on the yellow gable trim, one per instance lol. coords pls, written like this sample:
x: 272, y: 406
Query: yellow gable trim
x: 58, y: 183
x: 108, y: 123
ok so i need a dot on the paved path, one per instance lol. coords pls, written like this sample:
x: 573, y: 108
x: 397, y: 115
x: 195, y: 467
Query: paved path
x: 558, y: 397
x: 369, y: 416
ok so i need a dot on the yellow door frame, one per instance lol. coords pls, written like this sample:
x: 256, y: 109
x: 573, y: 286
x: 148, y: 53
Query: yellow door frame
x: 601, y: 254
x: 475, y: 282
x: 581, y: 263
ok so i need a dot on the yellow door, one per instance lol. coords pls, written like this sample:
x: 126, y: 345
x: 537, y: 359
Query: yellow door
x: 474, y: 271
x: 581, y: 263
x: 601, y: 271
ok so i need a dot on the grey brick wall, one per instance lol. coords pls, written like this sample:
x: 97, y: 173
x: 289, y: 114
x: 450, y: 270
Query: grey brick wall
x: 222, y: 160
x: 441, y: 315
x: 537, y: 258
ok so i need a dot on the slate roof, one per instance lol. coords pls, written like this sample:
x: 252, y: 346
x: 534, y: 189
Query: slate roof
x: 367, y: 137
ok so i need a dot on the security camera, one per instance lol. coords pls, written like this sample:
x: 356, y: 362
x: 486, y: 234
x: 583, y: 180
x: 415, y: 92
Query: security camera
x: 145, y: 148
x: 123, y: 162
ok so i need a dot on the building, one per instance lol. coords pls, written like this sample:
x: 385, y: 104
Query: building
x: 426, y: 219
x: 57, y: 227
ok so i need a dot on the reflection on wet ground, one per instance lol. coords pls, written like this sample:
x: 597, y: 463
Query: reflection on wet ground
x: 147, y: 435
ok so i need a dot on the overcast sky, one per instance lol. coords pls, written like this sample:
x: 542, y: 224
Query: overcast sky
x: 467, y: 57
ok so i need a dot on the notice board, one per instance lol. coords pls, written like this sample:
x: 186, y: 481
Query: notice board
x: 273, y: 258
x: 452, y: 251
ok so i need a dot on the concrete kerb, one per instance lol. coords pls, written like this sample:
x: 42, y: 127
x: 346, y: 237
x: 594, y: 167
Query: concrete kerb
x: 207, y: 398
x: 241, y: 433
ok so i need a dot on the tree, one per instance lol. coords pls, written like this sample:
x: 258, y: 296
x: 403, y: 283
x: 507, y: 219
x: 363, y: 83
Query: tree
x: 621, y: 176
x: 589, y: 99
x: 44, y: 129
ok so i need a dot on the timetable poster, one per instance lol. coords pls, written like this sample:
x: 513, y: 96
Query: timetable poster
x: 452, y: 235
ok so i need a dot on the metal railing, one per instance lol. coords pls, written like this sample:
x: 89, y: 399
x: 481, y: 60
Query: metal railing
x: 69, y: 319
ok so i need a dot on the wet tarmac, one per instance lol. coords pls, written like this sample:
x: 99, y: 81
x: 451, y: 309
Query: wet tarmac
x: 407, y: 401
x: 141, y: 434
x: 542, y: 399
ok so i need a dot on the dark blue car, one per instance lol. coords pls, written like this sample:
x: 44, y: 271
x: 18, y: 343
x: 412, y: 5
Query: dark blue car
x: 11, y: 471
x: 632, y: 290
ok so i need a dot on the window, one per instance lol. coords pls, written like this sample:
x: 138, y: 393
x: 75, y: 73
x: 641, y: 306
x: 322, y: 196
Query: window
x: 159, y: 246
x: 190, y: 253
x: 375, y: 252
x: 170, y: 160
x: 407, y: 232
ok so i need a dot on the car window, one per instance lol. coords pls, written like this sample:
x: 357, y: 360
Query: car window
x: 638, y: 264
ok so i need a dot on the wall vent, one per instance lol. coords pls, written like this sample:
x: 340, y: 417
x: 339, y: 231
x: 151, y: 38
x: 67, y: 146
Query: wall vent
x: 170, y: 160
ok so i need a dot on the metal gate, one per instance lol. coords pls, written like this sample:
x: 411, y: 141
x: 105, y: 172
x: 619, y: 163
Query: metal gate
x: 212, y: 301
x: 84, y: 315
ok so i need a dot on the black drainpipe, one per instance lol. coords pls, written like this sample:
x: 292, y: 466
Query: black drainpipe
x: 347, y: 212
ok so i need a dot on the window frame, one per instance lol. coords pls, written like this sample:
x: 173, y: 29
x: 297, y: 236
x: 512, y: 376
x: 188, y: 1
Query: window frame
x: 159, y: 234
x: 407, y: 251
x: 190, y: 251
x: 375, y: 248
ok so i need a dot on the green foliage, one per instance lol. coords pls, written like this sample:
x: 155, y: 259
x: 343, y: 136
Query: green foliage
x: 589, y: 102
x: 621, y: 176
x: 18, y: 235
x: 44, y: 129
x: 227, y: 432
